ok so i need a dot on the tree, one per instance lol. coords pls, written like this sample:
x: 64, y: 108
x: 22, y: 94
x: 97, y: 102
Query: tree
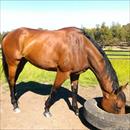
x: 97, y: 34
x: 127, y: 29
x: 106, y: 35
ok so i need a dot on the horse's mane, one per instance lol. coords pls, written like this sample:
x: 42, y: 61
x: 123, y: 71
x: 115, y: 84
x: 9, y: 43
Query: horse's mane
x: 109, y: 67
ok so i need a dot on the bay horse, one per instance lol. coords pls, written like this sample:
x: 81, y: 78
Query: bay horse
x: 69, y: 51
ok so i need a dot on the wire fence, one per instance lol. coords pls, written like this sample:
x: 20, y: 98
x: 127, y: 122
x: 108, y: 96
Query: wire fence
x: 118, y: 54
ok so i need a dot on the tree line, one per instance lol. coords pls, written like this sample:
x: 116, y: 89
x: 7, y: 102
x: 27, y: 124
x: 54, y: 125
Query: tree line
x: 115, y: 35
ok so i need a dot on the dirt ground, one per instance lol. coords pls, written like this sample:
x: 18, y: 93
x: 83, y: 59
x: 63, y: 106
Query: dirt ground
x: 32, y: 96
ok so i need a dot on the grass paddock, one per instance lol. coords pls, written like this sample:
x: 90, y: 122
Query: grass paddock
x: 32, y: 73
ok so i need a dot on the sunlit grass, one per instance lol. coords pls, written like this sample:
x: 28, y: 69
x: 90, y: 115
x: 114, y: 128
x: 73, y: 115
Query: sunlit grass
x: 122, y: 68
x: 32, y: 73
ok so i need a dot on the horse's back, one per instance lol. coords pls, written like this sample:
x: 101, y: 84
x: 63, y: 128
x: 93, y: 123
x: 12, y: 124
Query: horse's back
x: 47, y: 49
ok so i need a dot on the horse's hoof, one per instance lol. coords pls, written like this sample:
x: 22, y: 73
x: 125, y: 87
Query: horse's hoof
x: 47, y: 114
x: 77, y: 112
x: 17, y: 110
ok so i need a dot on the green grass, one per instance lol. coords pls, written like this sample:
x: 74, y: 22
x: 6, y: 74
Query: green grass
x: 122, y: 68
x: 31, y: 73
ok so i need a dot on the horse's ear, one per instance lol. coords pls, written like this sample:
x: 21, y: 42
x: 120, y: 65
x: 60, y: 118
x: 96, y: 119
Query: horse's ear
x: 118, y: 90
x: 123, y: 87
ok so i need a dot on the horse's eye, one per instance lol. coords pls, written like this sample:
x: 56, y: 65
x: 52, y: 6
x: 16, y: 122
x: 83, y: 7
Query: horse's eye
x: 117, y: 108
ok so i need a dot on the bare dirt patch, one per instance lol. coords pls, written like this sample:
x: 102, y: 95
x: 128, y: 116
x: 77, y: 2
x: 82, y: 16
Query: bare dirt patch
x: 32, y: 96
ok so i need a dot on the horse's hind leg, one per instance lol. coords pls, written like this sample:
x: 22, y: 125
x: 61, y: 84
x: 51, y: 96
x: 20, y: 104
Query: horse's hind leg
x: 11, y: 81
x: 20, y: 67
x: 14, y: 71
x: 60, y: 78
x: 74, y: 87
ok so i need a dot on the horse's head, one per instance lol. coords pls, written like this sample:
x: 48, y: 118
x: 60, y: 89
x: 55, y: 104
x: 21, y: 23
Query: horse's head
x: 115, y: 102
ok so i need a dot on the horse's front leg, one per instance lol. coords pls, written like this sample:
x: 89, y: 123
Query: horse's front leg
x: 74, y: 88
x: 50, y: 101
x: 60, y: 78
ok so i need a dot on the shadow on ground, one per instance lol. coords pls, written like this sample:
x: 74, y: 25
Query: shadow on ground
x: 44, y: 89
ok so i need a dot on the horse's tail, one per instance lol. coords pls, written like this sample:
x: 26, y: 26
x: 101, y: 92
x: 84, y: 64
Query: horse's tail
x: 4, y: 63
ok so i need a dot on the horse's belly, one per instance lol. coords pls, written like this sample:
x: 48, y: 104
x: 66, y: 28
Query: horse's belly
x: 43, y: 63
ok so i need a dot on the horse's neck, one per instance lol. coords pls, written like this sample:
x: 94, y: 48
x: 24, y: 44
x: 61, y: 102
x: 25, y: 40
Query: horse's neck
x: 104, y: 80
x: 98, y: 66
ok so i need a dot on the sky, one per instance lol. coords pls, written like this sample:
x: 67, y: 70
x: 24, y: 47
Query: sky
x: 54, y: 14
